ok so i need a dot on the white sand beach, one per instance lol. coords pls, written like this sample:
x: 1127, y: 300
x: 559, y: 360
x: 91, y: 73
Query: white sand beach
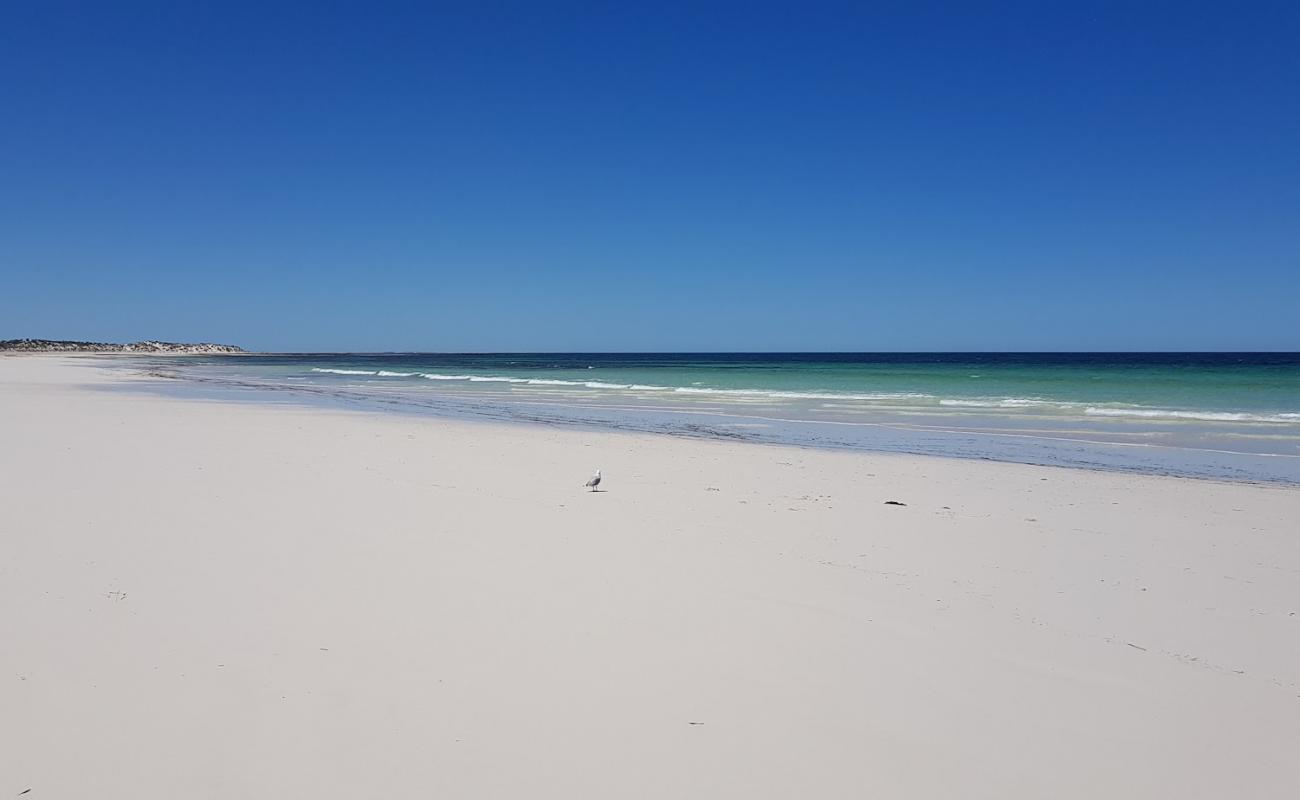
x: 203, y: 599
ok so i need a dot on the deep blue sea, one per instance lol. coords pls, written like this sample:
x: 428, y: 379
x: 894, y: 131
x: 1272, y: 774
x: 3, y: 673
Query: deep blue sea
x: 1220, y: 415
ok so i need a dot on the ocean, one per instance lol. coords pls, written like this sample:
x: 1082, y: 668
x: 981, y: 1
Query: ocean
x: 1214, y: 415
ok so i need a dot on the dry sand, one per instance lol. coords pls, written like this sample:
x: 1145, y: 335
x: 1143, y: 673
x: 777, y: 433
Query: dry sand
x: 203, y: 600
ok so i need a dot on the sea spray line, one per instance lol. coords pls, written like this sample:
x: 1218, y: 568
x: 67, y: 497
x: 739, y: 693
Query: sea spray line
x: 635, y: 386
x: 887, y: 400
x: 1203, y: 416
x: 1159, y: 447
x: 345, y: 371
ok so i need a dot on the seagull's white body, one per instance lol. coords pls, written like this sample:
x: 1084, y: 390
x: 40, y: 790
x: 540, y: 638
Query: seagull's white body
x: 594, y: 482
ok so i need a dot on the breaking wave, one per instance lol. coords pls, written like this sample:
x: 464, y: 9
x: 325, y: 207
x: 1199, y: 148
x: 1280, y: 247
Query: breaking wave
x: 345, y: 371
x: 914, y: 401
x: 1202, y: 416
x: 998, y: 402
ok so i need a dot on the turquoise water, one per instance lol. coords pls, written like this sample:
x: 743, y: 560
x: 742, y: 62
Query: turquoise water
x: 1177, y: 413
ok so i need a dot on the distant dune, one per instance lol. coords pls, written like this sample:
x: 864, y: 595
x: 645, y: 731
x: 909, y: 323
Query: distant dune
x: 53, y: 346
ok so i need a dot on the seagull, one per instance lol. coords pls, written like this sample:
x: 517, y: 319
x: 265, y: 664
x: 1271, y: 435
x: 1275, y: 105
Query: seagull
x: 594, y: 482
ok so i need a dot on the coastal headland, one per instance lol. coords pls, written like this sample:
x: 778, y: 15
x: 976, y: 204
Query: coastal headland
x: 61, y: 346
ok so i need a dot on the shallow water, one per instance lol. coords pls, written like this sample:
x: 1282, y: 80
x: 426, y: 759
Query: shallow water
x: 1234, y: 416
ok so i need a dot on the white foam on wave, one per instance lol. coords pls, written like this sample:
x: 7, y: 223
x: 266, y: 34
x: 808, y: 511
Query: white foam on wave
x: 997, y: 402
x: 786, y: 395
x: 891, y: 399
x: 1202, y: 416
x: 433, y: 376
x: 642, y: 387
x: 1117, y: 412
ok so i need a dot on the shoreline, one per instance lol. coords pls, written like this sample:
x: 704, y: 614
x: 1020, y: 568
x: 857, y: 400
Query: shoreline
x: 1028, y: 447
x: 206, y: 598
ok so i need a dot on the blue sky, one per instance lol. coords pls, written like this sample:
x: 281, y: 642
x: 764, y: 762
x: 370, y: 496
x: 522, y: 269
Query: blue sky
x: 538, y: 176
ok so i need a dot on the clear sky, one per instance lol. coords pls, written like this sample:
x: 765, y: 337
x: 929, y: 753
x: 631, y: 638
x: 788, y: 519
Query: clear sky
x: 746, y: 176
